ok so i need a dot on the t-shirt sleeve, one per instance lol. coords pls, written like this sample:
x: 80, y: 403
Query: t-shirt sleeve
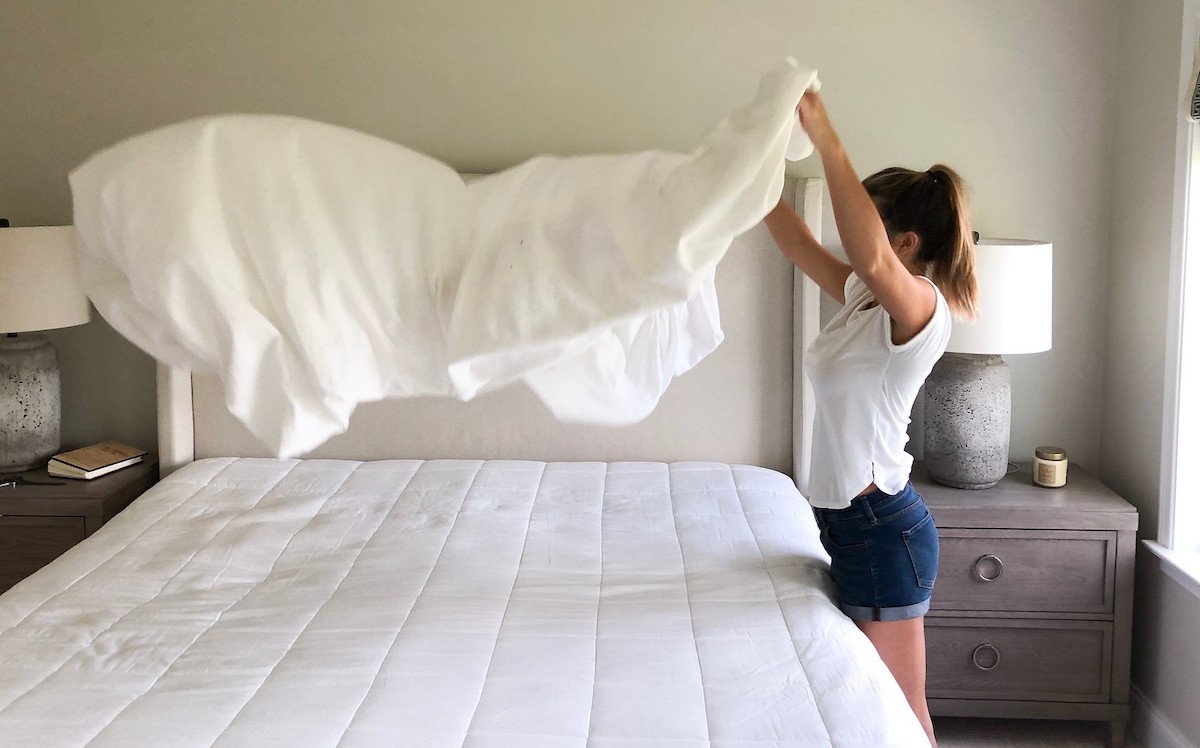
x: 852, y: 283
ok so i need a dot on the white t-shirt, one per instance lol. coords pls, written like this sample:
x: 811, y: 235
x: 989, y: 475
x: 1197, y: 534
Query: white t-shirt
x: 865, y: 387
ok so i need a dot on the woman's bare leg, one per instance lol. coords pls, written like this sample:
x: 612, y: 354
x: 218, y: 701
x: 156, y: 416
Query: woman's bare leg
x: 901, y: 645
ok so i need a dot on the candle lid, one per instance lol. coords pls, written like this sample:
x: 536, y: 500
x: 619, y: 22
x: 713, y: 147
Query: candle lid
x: 1050, y: 453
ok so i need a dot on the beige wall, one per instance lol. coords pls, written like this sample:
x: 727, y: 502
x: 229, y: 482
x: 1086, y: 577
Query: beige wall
x: 1153, y: 49
x: 1007, y: 92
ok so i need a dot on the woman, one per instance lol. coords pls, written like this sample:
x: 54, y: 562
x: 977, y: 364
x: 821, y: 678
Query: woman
x: 911, y: 263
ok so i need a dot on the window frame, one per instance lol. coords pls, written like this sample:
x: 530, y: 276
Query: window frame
x: 1178, y: 540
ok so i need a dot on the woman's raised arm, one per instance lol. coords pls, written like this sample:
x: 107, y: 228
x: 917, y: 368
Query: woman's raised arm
x: 909, y: 300
x: 797, y: 242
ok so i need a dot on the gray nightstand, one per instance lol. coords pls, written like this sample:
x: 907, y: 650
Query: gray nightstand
x: 1032, y: 609
x: 43, y: 516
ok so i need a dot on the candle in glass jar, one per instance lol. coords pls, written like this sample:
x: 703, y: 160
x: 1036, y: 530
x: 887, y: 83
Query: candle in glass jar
x: 1050, y: 467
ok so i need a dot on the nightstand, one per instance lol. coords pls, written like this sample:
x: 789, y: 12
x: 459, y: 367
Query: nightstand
x: 1032, y: 610
x: 42, y: 518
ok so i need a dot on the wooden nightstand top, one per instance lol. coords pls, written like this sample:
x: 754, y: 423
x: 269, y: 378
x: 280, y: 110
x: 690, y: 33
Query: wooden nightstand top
x: 1015, y: 502
x: 97, y: 500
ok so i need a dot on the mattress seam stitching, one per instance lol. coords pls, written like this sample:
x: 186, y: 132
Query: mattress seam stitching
x: 417, y: 599
x: 508, y: 602
x: 691, y: 612
x: 599, y: 600
x: 313, y: 617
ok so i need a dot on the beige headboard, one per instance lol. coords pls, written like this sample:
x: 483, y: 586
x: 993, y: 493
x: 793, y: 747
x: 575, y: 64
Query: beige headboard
x: 746, y: 403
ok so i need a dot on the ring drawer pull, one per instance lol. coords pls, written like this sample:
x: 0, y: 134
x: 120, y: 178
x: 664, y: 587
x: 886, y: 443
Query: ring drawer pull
x: 986, y: 646
x: 979, y: 568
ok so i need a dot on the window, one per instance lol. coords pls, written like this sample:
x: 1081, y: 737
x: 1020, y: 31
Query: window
x: 1185, y: 535
x: 1179, y: 520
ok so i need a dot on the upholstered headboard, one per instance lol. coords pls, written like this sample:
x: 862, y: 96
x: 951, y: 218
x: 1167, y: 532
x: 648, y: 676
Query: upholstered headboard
x: 746, y: 403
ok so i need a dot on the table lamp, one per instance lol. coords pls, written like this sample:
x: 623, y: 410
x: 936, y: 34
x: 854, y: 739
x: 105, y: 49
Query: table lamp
x: 40, y: 289
x: 968, y: 396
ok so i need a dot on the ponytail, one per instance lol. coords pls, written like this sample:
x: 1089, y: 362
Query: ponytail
x: 933, y: 205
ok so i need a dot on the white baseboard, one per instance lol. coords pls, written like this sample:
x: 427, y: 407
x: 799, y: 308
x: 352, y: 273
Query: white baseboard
x: 1150, y: 727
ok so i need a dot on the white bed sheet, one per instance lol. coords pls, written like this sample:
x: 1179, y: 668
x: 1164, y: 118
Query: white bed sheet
x: 313, y: 267
x: 257, y: 602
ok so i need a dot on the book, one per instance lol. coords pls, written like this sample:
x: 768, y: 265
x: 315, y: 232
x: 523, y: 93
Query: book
x: 93, y: 461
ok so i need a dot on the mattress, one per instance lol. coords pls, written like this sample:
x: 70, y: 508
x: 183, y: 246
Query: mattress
x: 257, y: 602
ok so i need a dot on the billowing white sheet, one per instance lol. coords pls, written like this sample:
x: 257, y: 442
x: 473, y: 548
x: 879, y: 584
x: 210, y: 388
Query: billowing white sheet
x: 313, y: 267
x: 446, y: 603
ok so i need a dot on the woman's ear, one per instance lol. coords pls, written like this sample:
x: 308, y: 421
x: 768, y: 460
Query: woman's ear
x: 906, y: 243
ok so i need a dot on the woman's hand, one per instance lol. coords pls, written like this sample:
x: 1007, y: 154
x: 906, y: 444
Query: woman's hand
x: 815, y: 121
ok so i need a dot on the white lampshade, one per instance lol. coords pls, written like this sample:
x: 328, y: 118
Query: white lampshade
x: 40, y: 287
x: 1015, y: 279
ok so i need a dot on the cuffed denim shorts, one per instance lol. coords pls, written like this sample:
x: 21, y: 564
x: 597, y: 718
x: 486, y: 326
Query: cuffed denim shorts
x: 884, y: 551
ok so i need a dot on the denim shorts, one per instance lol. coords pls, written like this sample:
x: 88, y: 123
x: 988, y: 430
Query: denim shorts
x: 884, y: 551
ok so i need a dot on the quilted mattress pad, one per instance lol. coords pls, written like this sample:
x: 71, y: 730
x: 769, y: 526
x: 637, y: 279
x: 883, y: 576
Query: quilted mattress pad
x: 257, y: 602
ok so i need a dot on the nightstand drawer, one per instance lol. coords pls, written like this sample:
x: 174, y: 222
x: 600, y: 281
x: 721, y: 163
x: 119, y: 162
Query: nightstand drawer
x: 1026, y: 570
x: 1018, y: 660
x: 29, y: 543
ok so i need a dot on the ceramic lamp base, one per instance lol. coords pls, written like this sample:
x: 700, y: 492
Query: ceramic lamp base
x: 30, y: 404
x: 968, y: 412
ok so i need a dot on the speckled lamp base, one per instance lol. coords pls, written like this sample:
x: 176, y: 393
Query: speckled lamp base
x: 968, y: 412
x: 29, y: 402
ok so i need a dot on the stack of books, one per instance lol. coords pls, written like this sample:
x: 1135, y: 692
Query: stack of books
x: 92, y: 462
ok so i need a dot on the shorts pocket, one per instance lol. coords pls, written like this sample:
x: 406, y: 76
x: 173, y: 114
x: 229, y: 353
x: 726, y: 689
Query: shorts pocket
x: 842, y: 536
x: 923, y: 548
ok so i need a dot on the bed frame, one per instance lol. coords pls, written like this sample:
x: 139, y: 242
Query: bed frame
x: 747, y: 403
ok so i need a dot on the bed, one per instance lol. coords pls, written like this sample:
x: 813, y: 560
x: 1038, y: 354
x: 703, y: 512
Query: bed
x: 476, y: 574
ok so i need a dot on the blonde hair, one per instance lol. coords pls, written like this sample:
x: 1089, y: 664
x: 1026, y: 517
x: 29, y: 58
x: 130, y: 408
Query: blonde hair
x: 933, y: 205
